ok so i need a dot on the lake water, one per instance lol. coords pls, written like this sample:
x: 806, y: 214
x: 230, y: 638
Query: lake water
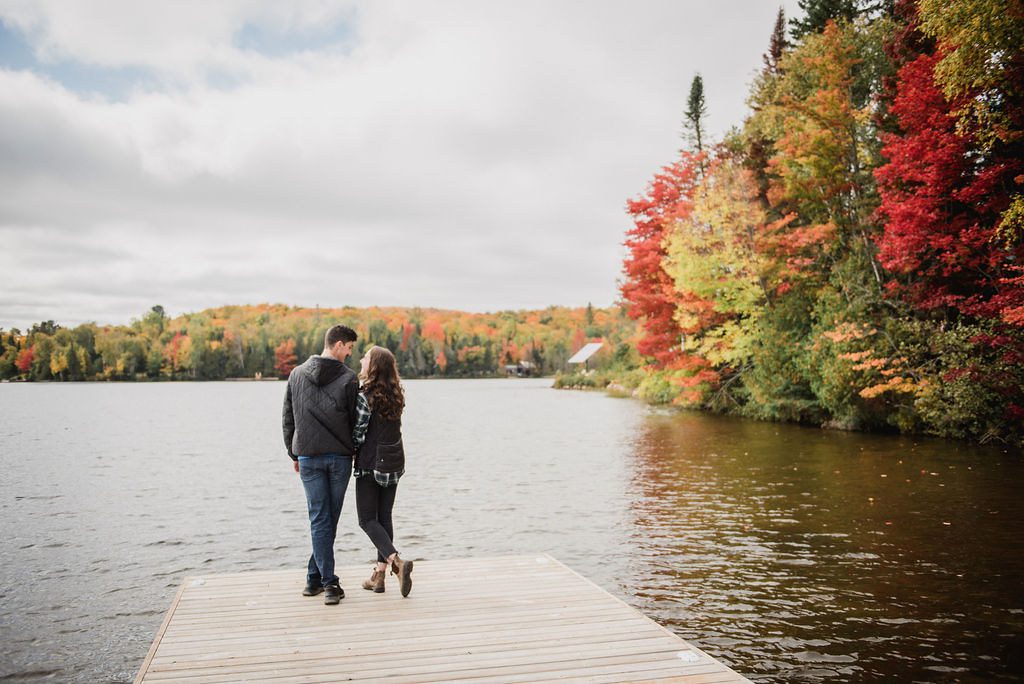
x: 791, y: 554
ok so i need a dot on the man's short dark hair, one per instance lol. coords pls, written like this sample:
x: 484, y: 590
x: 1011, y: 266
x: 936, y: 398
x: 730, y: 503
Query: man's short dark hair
x: 339, y: 333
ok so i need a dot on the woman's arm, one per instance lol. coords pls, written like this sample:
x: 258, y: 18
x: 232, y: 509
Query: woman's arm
x: 363, y: 414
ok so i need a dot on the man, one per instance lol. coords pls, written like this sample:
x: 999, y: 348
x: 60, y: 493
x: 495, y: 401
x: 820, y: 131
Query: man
x: 319, y: 413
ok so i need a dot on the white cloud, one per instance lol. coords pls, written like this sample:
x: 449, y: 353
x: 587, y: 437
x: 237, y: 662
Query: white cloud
x: 175, y: 39
x: 457, y: 154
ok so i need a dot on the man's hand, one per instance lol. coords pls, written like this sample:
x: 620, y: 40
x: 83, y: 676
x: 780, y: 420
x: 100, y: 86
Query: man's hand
x: 296, y: 464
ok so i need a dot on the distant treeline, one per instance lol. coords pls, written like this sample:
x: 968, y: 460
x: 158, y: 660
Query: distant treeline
x: 270, y: 340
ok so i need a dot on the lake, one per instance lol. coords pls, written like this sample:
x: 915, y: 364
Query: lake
x: 790, y: 554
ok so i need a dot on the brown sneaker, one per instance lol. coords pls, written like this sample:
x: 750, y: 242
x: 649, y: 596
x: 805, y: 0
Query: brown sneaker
x: 403, y: 569
x: 376, y: 582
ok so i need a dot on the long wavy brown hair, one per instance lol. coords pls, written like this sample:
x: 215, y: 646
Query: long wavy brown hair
x: 382, y: 386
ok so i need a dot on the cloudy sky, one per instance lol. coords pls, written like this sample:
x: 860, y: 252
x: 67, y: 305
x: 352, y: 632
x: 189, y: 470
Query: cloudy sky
x: 472, y: 155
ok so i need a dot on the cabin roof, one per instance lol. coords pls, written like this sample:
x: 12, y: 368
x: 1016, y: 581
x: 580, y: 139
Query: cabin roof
x: 586, y: 352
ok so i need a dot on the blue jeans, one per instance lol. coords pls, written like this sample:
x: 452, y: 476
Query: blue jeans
x: 325, y: 479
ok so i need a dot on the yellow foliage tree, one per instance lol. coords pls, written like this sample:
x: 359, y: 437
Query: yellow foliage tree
x: 713, y: 257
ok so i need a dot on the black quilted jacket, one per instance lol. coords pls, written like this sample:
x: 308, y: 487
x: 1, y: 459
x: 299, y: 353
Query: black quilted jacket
x: 319, y: 408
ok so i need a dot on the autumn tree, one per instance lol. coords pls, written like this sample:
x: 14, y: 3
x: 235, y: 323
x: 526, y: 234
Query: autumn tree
x: 949, y: 188
x: 284, y: 358
x: 24, y: 360
x: 820, y: 264
x: 982, y: 69
x: 648, y: 291
x: 942, y: 205
x: 982, y: 63
x: 178, y: 352
x: 713, y: 259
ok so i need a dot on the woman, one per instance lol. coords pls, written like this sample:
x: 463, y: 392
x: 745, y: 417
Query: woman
x: 380, y: 462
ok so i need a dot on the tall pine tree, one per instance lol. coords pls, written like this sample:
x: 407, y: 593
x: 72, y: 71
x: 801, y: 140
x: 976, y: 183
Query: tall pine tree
x: 777, y: 45
x: 693, y: 118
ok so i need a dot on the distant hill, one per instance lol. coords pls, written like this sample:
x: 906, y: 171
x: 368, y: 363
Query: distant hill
x: 267, y: 340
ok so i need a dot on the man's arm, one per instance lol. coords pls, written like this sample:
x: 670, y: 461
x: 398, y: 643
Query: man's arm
x: 352, y: 396
x: 288, y: 422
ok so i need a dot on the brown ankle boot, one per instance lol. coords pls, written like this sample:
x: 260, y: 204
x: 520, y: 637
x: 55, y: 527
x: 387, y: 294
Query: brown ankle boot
x: 376, y: 582
x: 403, y: 569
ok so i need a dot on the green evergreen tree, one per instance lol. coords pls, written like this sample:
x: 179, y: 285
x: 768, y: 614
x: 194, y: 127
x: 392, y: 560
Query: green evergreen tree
x: 817, y: 13
x: 693, y: 117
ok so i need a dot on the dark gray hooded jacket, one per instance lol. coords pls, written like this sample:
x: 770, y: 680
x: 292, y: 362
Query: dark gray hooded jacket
x: 320, y: 408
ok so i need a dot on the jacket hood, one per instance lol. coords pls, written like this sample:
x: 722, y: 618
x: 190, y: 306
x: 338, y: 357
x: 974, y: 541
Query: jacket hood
x: 323, y: 370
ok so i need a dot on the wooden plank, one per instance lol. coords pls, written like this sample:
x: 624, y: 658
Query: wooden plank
x: 400, y: 625
x: 410, y: 648
x: 512, y: 670
x: 306, y: 641
x: 424, y: 602
x: 711, y: 678
x: 703, y: 674
x: 452, y: 658
x: 463, y: 634
x: 423, y: 607
x: 624, y: 668
x: 426, y: 595
x: 522, y: 638
x: 476, y: 621
x: 357, y: 606
x: 535, y: 620
x: 155, y: 646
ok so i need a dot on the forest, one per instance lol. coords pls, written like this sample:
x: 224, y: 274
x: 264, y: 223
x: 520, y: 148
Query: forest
x: 851, y: 254
x: 269, y: 340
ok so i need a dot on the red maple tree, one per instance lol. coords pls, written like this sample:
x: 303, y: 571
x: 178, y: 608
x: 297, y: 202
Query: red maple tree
x: 941, y: 203
x: 284, y: 358
x: 25, y: 359
x: 649, y: 291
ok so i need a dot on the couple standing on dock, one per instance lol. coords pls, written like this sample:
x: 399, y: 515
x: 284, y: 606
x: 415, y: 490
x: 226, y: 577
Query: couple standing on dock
x: 338, y: 425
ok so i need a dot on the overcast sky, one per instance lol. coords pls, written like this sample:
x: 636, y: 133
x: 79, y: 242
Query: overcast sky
x: 467, y: 155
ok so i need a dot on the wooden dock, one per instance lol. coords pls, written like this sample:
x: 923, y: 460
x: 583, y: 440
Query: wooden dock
x: 495, y: 620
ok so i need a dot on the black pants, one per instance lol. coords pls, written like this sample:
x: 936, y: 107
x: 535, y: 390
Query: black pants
x: 373, y: 505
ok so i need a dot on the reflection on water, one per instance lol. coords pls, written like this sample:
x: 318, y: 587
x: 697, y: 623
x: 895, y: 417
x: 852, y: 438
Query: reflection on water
x: 804, y: 555
x: 791, y: 554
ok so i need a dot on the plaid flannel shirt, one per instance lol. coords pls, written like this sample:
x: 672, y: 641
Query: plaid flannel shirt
x: 363, y: 413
